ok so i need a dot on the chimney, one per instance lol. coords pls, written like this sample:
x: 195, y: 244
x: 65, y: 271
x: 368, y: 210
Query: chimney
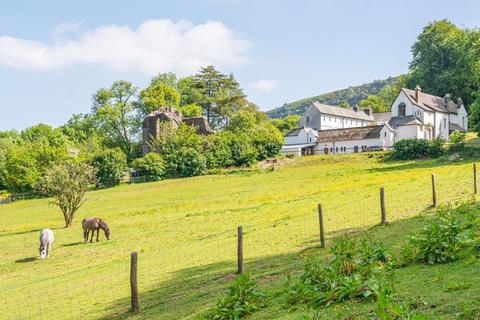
x: 447, y: 98
x: 355, y: 108
x: 459, y: 102
x: 368, y: 111
x: 417, y: 92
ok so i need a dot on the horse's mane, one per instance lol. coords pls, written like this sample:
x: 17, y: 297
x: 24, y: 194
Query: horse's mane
x: 103, y: 225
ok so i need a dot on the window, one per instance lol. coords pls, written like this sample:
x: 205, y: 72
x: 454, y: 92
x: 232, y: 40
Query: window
x: 402, y: 108
x: 336, y: 149
x: 323, y: 118
x: 445, y: 122
x: 307, y: 121
x: 385, y: 134
x: 463, y: 121
x: 331, y: 149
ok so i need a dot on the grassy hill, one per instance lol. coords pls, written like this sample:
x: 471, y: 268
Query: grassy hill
x: 351, y: 94
x: 184, y: 231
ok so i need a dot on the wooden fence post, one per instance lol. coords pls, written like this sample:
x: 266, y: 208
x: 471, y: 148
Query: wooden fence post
x: 382, y: 206
x: 240, y: 249
x: 133, y: 281
x: 434, y: 193
x: 475, y: 184
x: 322, y: 231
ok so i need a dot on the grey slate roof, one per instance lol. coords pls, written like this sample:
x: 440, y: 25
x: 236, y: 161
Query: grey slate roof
x: 342, y: 112
x: 294, y: 132
x: 453, y: 126
x: 347, y: 134
x: 430, y: 102
x: 403, y: 121
x: 382, y: 117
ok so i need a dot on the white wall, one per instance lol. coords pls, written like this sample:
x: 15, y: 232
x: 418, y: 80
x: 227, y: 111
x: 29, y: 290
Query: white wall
x: 441, y: 125
x: 385, y: 140
x: 328, y: 122
x: 409, y: 110
x: 306, y: 135
x: 461, y: 118
x: 409, y: 132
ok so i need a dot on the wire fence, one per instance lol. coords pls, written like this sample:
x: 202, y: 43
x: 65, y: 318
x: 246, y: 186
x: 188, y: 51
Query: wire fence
x: 176, y: 281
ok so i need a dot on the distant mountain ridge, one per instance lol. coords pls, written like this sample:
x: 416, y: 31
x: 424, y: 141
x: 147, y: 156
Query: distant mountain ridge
x: 351, y: 94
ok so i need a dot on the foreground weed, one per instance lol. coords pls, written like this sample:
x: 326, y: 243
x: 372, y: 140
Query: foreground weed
x: 355, y: 270
x: 451, y: 235
x: 243, y: 298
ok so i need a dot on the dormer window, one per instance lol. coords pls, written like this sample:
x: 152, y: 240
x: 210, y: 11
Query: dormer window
x: 402, y: 109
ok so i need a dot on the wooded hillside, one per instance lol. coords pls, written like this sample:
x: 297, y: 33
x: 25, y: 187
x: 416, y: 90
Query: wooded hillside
x: 351, y: 94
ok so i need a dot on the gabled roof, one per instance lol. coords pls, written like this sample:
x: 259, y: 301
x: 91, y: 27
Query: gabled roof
x: 342, y: 112
x: 382, y: 117
x: 404, y: 121
x: 296, y: 131
x: 347, y: 134
x: 453, y: 126
x: 430, y: 102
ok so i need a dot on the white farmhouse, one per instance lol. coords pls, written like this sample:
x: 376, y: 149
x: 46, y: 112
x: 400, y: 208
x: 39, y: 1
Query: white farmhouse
x: 324, y: 117
x: 344, y: 140
x: 417, y: 115
x: 327, y: 129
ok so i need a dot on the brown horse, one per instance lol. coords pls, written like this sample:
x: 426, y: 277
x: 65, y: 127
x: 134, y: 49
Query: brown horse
x: 94, y: 224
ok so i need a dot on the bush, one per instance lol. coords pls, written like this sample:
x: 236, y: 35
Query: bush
x: 457, y: 138
x: 410, y: 149
x: 185, y: 162
x: 217, y: 150
x: 244, y: 153
x: 355, y: 271
x: 243, y: 298
x: 443, y: 239
x: 111, y: 165
x: 151, y: 166
x: 267, y: 140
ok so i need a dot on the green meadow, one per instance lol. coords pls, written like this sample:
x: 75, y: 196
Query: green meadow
x: 184, y: 231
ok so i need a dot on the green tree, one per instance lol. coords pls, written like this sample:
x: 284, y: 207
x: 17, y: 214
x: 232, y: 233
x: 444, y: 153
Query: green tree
x: 168, y: 79
x: 375, y: 103
x: 345, y: 104
x: 80, y: 128
x: 221, y: 95
x: 67, y: 184
x: 115, y: 117
x: 151, y: 166
x: 446, y: 59
x: 189, y: 93
x: 191, y: 110
x: 157, y: 95
x: 286, y: 123
x: 110, y: 165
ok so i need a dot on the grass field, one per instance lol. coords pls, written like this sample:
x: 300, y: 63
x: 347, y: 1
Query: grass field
x: 185, y: 233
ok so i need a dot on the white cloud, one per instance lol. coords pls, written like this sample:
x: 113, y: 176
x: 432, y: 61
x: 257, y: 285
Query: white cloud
x: 263, y: 85
x: 155, y: 46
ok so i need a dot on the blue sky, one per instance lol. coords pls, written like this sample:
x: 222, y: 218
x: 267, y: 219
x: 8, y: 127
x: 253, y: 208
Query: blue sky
x: 55, y: 54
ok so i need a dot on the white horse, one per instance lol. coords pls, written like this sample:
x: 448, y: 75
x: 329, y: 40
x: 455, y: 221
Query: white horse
x: 46, y: 241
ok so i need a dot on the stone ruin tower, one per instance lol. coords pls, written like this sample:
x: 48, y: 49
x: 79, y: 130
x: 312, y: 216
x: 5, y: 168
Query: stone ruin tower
x: 151, y: 124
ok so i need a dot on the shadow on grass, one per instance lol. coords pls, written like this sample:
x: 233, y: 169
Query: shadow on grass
x: 26, y: 260
x: 25, y: 232
x: 397, y: 165
x: 72, y: 244
x: 192, y: 292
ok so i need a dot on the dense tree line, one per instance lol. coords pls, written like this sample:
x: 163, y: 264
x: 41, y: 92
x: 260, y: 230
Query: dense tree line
x: 445, y: 59
x: 108, y: 138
